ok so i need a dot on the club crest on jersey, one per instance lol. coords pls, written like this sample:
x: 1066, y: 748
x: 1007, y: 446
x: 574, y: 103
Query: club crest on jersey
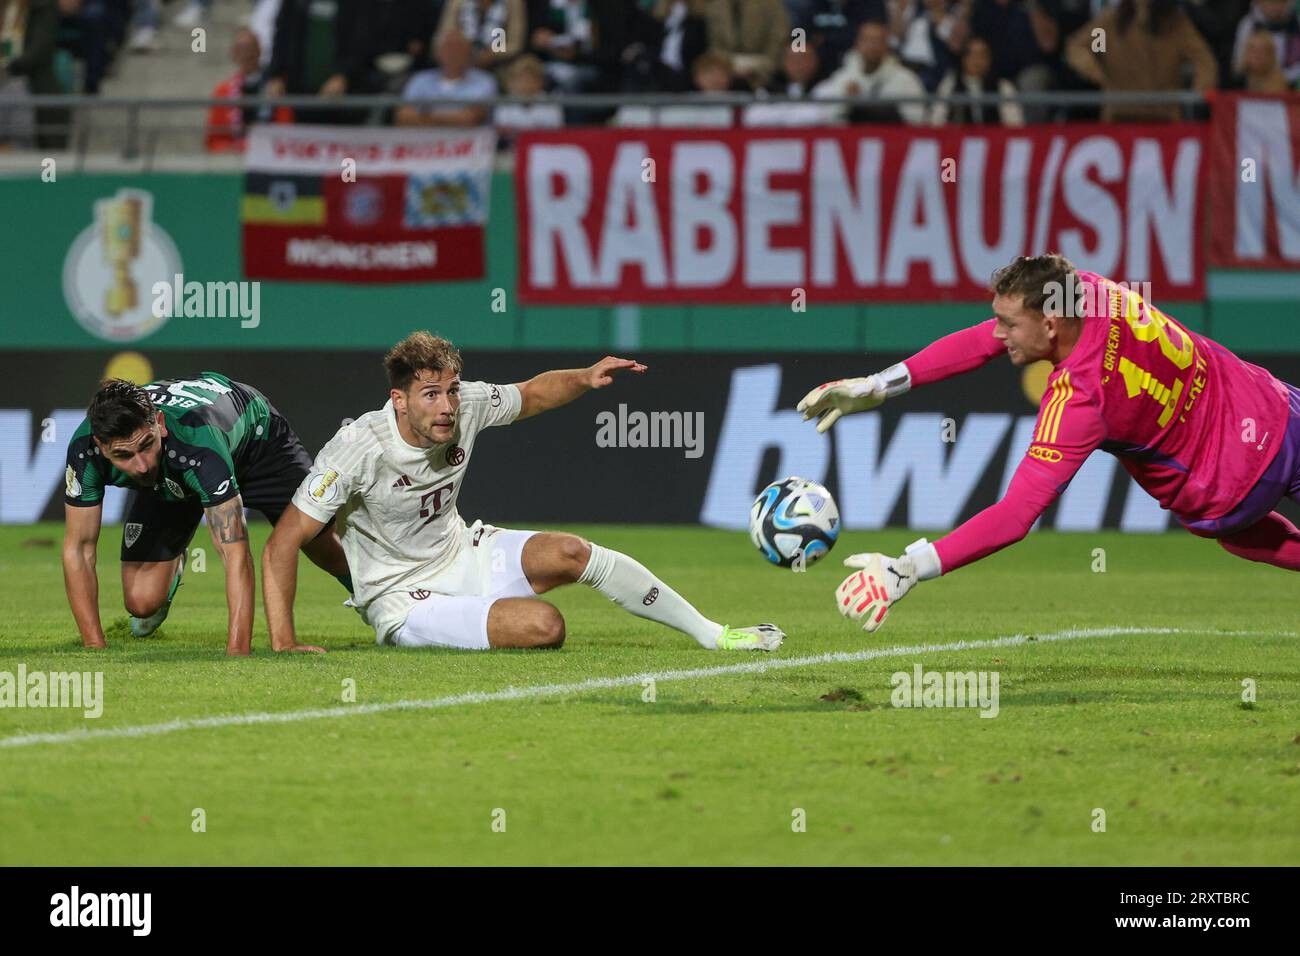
x: 71, y: 483
x: 174, y: 488
x: 321, y: 485
x: 420, y: 594
x: 131, y: 533
x: 455, y: 455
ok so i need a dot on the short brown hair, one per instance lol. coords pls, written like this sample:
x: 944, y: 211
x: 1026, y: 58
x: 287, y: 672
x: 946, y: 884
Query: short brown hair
x: 1035, y: 278
x: 119, y: 410
x: 418, y: 352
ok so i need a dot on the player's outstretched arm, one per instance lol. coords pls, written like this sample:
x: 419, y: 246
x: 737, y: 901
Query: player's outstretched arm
x: 951, y: 355
x: 549, y: 390
x: 230, y: 538
x: 80, y: 539
x: 280, y: 576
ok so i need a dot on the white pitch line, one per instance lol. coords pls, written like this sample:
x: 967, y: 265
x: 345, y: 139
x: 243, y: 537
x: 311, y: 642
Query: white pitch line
x: 594, y: 683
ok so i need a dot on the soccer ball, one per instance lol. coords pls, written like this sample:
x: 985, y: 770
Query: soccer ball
x: 794, y: 522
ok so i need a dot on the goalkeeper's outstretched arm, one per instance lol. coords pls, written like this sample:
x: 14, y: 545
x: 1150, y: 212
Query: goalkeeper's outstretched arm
x: 951, y: 355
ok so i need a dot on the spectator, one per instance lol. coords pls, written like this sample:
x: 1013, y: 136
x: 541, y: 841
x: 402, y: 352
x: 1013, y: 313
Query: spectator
x: 525, y: 76
x: 29, y: 30
x: 669, y: 35
x: 752, y: 33
x: 228, y: 125
x: 396, y: 38
x: 1148, y: 45
x: 799, y: 68
x: 1260, y: 72
x: 563, y: 36
x: 830, y: 26
x: 146, y: 19
x: 454, y: 79
x: 871, y: 71
x: 975, y: 75
x: 713, y: 75
x: 319, y: 48
x: 497, y: 29
x: 927, y: 35
x: 1024, y: 39
x: 1278, y: 18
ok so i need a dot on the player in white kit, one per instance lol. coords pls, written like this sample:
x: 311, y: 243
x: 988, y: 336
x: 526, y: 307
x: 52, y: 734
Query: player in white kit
x: 422, y: 577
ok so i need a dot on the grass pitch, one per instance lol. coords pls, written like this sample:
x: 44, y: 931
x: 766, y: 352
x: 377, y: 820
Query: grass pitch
x: 1148, y: 727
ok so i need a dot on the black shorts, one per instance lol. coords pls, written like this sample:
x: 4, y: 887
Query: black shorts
x: 158, y: 530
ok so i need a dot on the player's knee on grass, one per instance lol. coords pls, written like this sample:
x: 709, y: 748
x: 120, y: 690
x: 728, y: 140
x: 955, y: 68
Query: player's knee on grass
x: 552, y: 559
x: 525, y: 623
x: 142, y: 604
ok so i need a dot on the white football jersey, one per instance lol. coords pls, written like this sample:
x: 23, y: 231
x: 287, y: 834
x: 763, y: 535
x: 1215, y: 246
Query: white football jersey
x: 396, y: 503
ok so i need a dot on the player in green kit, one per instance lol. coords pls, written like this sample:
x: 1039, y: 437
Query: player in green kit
x: 189, y: 448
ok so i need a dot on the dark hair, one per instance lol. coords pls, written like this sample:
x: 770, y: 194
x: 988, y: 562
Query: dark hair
x: 1163, y: 15
x: 119, y: 410
x: 1035, y: 278
x: 419, y: 351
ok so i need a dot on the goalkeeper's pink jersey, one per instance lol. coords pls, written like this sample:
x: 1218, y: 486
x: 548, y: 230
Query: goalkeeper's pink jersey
x: 1192, y: 423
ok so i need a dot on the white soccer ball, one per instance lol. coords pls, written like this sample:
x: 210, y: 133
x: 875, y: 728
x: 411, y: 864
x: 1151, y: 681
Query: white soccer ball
x: 794, y: 522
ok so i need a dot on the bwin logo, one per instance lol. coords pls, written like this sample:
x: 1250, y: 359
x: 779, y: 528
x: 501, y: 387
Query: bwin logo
x: 103, y: 909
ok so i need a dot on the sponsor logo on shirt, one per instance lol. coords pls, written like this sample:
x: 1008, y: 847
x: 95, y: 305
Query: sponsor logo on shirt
x: 420, y: 594
x: 174, y: 488
x: 403, y: 482
x: 650, y: 597
x: 496, y: 397
x: 1050, y: 455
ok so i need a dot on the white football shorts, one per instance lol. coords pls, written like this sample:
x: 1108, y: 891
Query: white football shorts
x: 450, y: 609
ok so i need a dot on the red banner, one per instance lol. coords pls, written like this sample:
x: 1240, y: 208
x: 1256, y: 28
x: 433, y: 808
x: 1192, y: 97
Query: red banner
x: 1255, y: 205
x: 842, y: 215
x: 341, y: 204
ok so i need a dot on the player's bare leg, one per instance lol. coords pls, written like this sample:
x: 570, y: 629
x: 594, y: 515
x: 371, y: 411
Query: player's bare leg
x: 148, y: 588
x: 524, y: 622
x: 551, y: 560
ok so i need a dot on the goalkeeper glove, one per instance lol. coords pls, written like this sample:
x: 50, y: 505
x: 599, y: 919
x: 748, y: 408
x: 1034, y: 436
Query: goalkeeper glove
x: 867, y: 594
x: 848, y: 395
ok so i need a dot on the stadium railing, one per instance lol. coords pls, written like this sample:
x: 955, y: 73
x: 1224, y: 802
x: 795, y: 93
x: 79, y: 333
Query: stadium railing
x: 148, y: 133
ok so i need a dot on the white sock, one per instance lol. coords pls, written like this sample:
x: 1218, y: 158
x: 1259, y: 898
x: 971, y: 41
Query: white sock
x: 631, y: 586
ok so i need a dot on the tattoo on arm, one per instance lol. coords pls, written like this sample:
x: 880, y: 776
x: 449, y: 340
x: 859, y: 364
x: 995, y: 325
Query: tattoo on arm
x: 226, y: 521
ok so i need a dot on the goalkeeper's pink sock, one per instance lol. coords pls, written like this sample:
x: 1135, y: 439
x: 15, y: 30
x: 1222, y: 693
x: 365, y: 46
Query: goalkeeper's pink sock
x: 1272, y: 539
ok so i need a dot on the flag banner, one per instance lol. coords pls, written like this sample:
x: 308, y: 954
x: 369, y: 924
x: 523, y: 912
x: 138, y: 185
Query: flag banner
x: 839, y: 215
x: 366, y: 205
x: 1255, y: 202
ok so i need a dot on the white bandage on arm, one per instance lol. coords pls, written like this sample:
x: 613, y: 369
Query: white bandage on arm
x: 897, y: 379
x: 925, y: 559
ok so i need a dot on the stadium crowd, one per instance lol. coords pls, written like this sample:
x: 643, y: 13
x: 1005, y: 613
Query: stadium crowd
x: 807, y: 50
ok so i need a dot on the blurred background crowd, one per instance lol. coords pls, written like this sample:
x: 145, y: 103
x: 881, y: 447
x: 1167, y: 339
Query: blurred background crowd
x: 465, y: 51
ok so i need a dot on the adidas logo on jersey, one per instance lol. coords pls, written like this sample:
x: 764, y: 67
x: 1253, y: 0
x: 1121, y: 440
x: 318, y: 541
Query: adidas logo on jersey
x: 403, y: 482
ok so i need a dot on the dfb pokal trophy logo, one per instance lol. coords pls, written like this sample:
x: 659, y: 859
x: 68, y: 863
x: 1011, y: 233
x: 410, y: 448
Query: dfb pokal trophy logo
x: 109, y: 262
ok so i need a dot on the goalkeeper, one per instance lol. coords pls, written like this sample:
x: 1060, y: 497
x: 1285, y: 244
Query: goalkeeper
x: 1214, y: 439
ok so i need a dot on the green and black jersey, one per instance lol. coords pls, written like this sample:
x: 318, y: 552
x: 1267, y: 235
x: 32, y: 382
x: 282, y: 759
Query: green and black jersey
x: 217, y: 430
